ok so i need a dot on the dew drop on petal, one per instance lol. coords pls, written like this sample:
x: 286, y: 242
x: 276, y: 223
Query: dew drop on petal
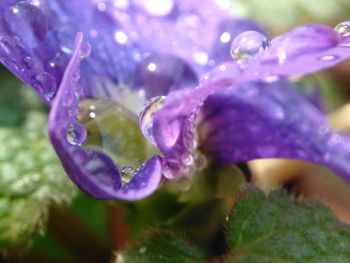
x: 187, y: 159
x: 26, y: 21
x: 48, y: 84
x: 127, y: 173
x: 343, y: 29
x: 200, y: 161
x: 248, y: 44
x: 76, y: 134
x: 146, y: 116
x: 85, y: 50
x: 120, y: 37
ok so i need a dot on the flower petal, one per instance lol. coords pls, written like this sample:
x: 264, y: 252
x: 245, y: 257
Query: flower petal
x: 36, y: 39
x: 265, y: 65
x: 270, y: 120
x: 91, y: 170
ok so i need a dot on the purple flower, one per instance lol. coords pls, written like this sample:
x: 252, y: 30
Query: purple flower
x: 231, y: 110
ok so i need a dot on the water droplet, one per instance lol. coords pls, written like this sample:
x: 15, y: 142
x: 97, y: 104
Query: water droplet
x: 328, y: 57
x: 200, y: 161
x: 271, y: 79
x: 146, y: 116
x: 8, y: 45
x: 65, y: 36
x: 122, y: 4
x: 85, y: 50
x: 27, y: 22
x: 201, y: 58
x: 227, y: 30
x: 225, y: 37
x: 101, y: 6
x: 76, y: 134
x: 157, y: 8
x: 248, y: 44
x: 343, y: 29
x: 127, y: 173
x: 187, y: 159
x: 184, y: 184
x: 120, y: 37
x: 28, y: 61
x: 114, y: 130
x: 48, y: 84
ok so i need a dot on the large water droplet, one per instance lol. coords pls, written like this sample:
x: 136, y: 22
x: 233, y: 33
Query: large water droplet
x: 146, y: 116
x: 76, y: 134
x: 343, y: 29
x: 248, y: 44
x: 227, y: 31
x: 27, y: 22
x: 48, y: 84
x: 115, y: 131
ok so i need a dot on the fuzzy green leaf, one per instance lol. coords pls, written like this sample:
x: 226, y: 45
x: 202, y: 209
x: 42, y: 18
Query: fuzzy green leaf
x: 161, y: 247
x: 31, y: 176
x: 277, y: 229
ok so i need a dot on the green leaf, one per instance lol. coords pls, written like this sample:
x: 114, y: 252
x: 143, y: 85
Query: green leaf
x: 31, y: 176
x: 161, y: 247
x: 277, y: 229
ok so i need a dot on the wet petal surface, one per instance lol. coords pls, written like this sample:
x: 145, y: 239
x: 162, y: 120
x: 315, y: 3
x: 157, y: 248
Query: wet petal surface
x: 92, y: 170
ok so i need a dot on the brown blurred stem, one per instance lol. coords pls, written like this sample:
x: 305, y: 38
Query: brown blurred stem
x: 117, y: 227
x: 76, y: 238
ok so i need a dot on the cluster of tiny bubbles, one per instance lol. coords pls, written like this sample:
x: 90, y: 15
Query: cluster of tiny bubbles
x: 76, y: 134
x: 248, y: 44
x: 146, y: 116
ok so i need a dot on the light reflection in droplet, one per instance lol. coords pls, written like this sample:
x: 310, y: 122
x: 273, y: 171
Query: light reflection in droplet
x: 225, y: 37
x: 158, y: 8
x: 120, y: 37
x: 248, y: 44
x: 152, y: 67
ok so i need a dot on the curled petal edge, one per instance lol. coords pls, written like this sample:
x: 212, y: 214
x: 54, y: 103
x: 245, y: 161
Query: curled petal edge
x: 93, y: 171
